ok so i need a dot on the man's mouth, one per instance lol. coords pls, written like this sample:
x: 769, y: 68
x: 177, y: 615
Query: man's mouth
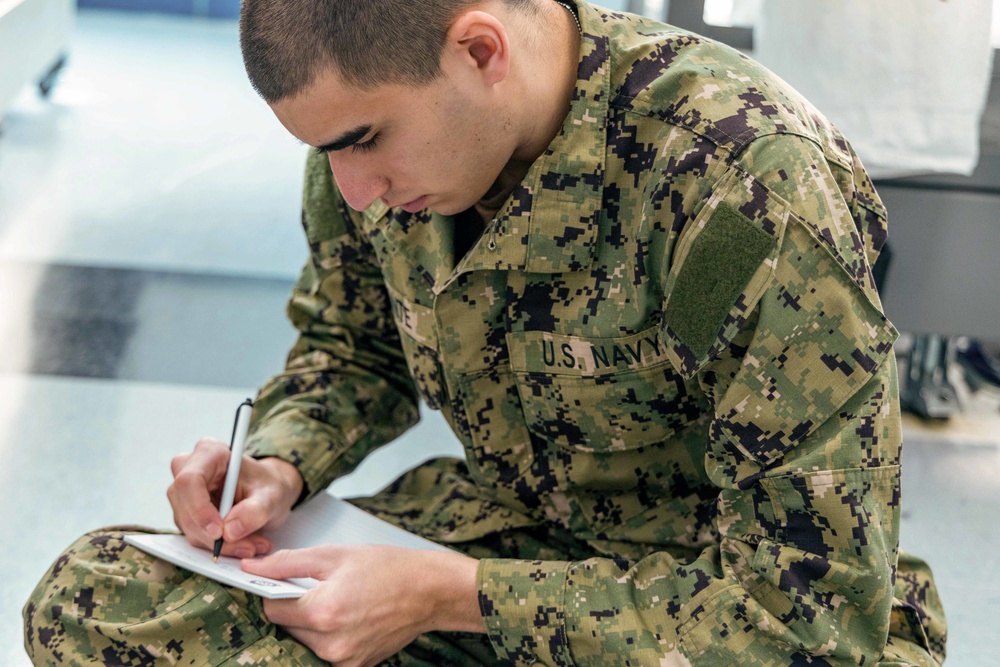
x: 415, y: 205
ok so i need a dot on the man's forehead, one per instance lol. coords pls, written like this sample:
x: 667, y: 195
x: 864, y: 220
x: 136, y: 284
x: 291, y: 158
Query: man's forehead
x: 332, y: 114
x: 329, y: 114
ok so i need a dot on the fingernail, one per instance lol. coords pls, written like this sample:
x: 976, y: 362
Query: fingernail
x: 214, y: 530
x: 242, y: 552
x: 234, y: 529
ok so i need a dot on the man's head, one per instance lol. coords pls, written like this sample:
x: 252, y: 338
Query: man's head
x: 419, y: 103
x: 287, y: 43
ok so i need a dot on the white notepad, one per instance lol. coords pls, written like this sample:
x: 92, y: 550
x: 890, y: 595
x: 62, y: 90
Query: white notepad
x: 323, y: 520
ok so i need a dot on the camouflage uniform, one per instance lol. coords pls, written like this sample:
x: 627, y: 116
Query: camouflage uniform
x: 668, y: 365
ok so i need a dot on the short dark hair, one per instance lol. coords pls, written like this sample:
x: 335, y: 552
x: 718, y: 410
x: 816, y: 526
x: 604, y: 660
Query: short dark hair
x: 286, y: 43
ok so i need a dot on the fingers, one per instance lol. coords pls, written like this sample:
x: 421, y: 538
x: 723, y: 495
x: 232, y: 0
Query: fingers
x: 198, y: 479
x: 248, y: 516
x: 241, y: 539
x: 194, y: 513
x: 306, y: 615
x: 206, y: 451
x: 178, y: 462
x: 196, y: 476
x: 259, y: 502
x: 290, y: 614
x: 315, y: 562
x: 248, y: 547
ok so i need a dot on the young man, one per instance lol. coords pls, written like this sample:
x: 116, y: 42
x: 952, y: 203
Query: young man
x: 633, y: 270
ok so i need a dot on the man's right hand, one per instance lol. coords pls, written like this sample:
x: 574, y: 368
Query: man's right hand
x: 266, y: 491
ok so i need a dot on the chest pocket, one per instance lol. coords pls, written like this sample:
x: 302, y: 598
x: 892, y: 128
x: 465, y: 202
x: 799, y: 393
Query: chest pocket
x: 418, y: 334
x: 601, y: 394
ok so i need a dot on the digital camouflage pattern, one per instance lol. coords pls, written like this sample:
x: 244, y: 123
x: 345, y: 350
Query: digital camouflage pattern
x: 104, y: 602
x: 665, y: 355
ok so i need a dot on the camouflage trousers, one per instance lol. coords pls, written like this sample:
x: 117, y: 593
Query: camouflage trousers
x: 106, y: 603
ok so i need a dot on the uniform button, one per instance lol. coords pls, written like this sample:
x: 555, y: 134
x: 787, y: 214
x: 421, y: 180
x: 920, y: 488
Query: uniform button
x: 492, y: 245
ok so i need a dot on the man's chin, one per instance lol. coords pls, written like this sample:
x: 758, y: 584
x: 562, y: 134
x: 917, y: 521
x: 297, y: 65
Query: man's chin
x: 452, y: 206
x: 446, y: 208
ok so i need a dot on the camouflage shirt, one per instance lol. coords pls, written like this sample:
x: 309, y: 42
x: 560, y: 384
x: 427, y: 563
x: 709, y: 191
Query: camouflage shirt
x: 668, y: 343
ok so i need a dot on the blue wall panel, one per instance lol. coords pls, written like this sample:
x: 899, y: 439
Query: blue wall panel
x: 224, y: 8
x: 213, y: 8
x: 221, y: 8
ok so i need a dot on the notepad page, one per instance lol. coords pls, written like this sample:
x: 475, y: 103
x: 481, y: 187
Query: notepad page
x: 325, y: 519
x: 177, y: 550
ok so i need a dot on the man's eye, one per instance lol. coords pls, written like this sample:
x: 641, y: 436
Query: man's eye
x: 366, y: 146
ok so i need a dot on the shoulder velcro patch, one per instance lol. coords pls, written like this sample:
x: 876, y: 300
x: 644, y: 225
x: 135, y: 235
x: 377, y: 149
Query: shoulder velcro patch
x: 322, y: 216
x: 722, y: 260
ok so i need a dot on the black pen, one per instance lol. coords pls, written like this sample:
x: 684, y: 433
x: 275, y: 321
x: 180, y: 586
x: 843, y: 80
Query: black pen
x: 240, y: 429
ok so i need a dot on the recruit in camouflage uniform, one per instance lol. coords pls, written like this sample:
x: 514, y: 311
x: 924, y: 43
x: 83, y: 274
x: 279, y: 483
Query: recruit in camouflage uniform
x: 668, y: 365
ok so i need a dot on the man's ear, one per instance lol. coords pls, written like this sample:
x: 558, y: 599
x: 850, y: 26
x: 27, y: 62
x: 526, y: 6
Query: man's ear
x: 478, y: 40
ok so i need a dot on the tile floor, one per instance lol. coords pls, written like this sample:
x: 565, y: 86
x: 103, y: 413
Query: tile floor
x: 148, y: 237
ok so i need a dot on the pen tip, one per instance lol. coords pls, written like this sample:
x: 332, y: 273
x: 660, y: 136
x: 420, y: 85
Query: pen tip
x: 215, y: 559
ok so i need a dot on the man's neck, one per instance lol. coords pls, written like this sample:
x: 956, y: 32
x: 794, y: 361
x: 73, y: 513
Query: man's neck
x: 540, y: 99
x: 550, y: 74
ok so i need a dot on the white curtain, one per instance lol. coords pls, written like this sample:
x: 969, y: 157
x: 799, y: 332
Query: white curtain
x: 905, y: 80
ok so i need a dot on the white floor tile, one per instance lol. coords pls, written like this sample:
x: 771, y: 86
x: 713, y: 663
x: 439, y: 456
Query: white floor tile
x: 153, y: 151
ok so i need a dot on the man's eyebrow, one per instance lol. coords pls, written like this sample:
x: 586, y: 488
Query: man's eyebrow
x: 346, y: 140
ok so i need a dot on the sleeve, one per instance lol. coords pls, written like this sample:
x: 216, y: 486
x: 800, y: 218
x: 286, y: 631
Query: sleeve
x: 345, y: 390
x: 802, y: 444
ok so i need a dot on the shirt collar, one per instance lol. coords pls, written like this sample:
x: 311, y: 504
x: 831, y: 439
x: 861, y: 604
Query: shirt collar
x: 549, y: 224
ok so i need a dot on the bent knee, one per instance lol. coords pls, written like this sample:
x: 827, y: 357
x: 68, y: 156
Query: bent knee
x: 79, y: 586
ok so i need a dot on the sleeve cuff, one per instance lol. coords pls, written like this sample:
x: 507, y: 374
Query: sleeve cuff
x: 522, y: 603
x: 313, y: 452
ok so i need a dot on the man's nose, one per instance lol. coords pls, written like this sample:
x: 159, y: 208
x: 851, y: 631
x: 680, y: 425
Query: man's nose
x: 360, y: 186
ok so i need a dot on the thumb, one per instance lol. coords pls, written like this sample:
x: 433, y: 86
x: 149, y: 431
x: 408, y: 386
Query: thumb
x: 314, y: 562
x: 247, y: 517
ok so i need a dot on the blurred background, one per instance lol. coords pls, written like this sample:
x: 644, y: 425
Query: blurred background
x: 149, y: 236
